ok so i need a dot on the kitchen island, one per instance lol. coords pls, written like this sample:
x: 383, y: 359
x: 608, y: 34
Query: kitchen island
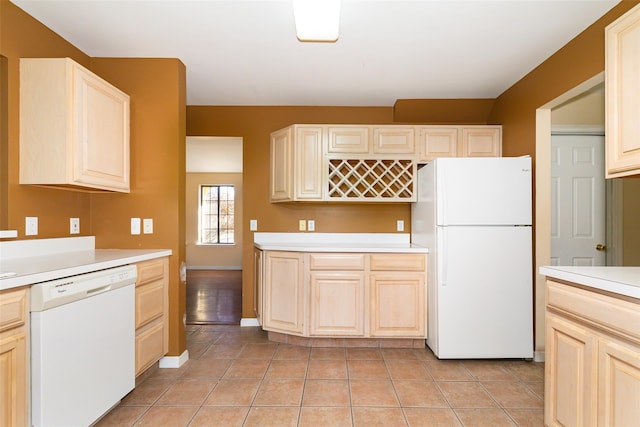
x: 592, y: 367
x: 341, y: 289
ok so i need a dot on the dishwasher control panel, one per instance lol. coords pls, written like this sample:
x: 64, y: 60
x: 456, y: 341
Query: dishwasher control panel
x: 62, y: 291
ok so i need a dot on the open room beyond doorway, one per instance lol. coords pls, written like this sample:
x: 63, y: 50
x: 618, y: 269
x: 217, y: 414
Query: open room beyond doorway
x: 214, y: 230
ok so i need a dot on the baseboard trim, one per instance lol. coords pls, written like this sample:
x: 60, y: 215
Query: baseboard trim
x: 249, y: 321
x: 538, y: 356
x: 174, y: 361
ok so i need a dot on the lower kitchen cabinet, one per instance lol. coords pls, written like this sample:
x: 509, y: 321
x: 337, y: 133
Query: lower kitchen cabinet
x: 257, y: 284
x: 592, y: 366
x: 14, y: 361
x: 152, y: 309
x: 357, y: 295
x: 283, y: 292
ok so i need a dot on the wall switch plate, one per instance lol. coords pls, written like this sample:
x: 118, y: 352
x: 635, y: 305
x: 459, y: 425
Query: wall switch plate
x: 311, y: 225
x: 31, y: 226
x: 135, y: 225
x: 74, y: 225
x: 253, y: 225
x: 400, y: 225
x: 147, y: 226
x: 302, y: 225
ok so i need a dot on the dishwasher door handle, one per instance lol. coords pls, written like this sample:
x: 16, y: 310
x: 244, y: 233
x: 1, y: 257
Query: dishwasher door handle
x: 98, y: 290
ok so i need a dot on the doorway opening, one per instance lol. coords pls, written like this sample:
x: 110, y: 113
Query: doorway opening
x: 214, y: 230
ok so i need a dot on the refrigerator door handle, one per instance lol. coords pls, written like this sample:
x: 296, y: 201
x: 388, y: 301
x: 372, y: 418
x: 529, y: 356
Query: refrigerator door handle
x: 443, y: 256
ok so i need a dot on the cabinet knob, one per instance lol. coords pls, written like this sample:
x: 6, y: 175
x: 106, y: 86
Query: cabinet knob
x: 601, y: 247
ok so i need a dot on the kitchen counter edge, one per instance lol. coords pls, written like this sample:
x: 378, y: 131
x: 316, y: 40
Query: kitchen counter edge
x: 343, y: 248
x: 620, y: 280
x: 104, y: 258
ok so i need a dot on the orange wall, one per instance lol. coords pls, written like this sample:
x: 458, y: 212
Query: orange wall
x: 157, y: 88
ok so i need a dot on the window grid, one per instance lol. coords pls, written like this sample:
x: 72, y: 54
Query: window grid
x: 217, y: 214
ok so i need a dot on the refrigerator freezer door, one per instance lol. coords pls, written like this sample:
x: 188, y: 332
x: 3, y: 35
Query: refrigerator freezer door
x: 483, y: 191
x: 484, y: 292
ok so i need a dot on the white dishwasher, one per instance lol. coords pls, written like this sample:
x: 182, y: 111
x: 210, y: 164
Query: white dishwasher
x: 82, y: 346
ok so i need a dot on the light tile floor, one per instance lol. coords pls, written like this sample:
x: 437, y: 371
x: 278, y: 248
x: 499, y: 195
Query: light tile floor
x: 237, y: 377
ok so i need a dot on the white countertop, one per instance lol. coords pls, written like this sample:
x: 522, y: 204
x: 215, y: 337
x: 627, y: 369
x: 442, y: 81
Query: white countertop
x: 619, y: 280
x: 337, y: 242
x: 33, y: 261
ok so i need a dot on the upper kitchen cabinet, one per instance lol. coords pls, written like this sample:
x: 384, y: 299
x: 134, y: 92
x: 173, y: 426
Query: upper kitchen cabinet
x: 296, y: 164
x: 74, y: 128
x: 356, y: 140
x: 459, y: 141
x: 622, y: 84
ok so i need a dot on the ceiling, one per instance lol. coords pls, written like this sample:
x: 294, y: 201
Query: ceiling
x: 245, y: 52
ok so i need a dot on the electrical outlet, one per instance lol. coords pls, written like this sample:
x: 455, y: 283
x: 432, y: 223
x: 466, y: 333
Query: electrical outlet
x: 400, y: 225
x: 302, y: 225
x: 31, y: 226
x: 253, y: 225
x: 147, y: 226
x: 311, y: 225
x: 135, y: 225
x: 74, y: 225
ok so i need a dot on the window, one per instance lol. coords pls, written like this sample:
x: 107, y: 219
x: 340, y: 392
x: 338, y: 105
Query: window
x: 216, y: 224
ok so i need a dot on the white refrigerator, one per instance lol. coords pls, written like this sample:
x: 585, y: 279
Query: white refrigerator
x: 474, y: 215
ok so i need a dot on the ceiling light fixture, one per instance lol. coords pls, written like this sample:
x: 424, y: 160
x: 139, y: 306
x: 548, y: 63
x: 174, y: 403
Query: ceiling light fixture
x: 317, y: 20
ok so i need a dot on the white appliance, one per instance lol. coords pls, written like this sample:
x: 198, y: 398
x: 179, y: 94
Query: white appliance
x: 474, y: 215
x: 82, y: 346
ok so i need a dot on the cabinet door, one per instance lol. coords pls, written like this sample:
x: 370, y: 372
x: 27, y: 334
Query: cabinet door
x: 258, y: 284
x: 101, y: 140
x: 309, y: 172
x: 397, y: 305
x: 13, y: 380
x: 618, y: 383
x: 283, y: 292
x: 281, y: 183
x: 336, y: 305
x: 622, y: 79
x: 394, y: 140
x: 348, y: 139
x: 437, y: 141
x: 481, y: 141
x: 570, y: 374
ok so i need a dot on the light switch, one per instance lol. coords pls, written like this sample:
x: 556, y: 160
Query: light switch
x: 302, y: 225
x: 253, y: 225
x: 400, y: 225
x: 311, y: 225
x: 135, y: 225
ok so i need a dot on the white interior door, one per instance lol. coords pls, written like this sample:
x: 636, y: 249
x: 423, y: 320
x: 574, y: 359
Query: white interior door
x: 577, y: 200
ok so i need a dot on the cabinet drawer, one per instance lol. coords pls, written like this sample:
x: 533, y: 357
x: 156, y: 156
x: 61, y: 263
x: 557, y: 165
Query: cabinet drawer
x: 149, y: 302
x: 149, y: 346
x: 398, y: 262
x: 150, y: 270
x: 611, y: 313
x: 13, y: 308
x: 332, y: 261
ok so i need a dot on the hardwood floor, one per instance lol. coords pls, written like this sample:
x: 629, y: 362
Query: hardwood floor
x: 214, y: 297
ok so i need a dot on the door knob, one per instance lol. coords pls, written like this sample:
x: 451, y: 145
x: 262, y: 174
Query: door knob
x: 601, y: 247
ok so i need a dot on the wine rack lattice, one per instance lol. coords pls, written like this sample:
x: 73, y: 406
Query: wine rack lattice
x: 371, y: 179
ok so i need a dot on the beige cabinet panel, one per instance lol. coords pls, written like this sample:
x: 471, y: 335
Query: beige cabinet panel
x: 151, y: 312
x: 308, y: 170
x: 74, y: 127
x: 14, y: 359
x: 283, y: 292
x: 398, y: 262
x: 618, y: 384
x: 394, y: 140
x: 437, y: 141
x: 258, y: 283
x: 481, y: 141
x: 622, y: 84
x: 336, y: 304
x: 570, y: 370
x: 397, y: 305
x: 336, y: 261
x: 281, y: 171
x: 348, y: 139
